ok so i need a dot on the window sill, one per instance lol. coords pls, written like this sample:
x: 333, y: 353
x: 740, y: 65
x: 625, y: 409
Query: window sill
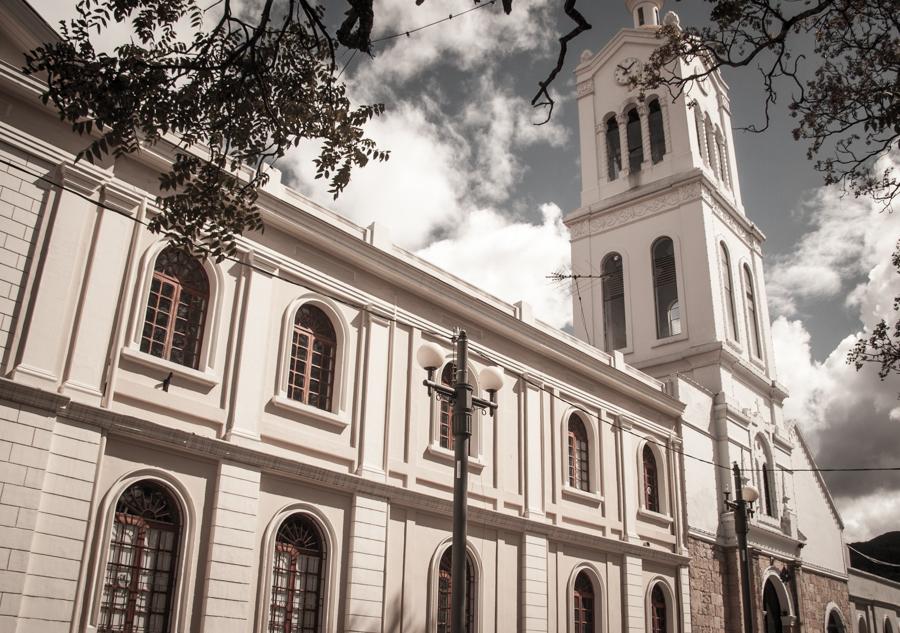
x: 448, y: 456
x: 757, y: 362
x: 583, y: 496
x: 734, y: 346
x: 654, y: 517
x: 334, y: 420
x: 670, y: 339
x: 195, y: 376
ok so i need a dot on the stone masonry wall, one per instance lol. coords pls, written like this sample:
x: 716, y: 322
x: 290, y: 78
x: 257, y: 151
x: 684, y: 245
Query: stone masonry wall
x: 816, y: 591
x: 707, y: 573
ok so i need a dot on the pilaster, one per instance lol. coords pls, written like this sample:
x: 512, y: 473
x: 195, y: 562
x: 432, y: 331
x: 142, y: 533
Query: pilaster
x: 534, y: 583
x: 633, y: 594
x: 231, y: 574
x: 376, y: 387
x: 365, y: 575
x: 533, y: 434
x: 628, y: 494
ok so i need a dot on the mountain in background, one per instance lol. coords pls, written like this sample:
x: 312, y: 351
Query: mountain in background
x: 885, y: 548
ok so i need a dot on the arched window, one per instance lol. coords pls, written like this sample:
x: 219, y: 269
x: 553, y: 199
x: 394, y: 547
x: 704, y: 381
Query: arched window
x: 768, y: 505
x: 641, y: 20
x: 651, y: 479
x: 635, y: 144
x: 579, y: 461
x: 728, y: 287
x: 753, y: 325
x: 665, y: 287
x: 613, y: 148
x: 613, y: 286
x: 887, y: 626
x: 723, y: 161
x: 835, y: 625
x: 657, y: 136
x: 771, y: 609
x: 861, y: 626
x: 583, y: 604
x: 297, y: 577
x: 176, y: 308
x: 138, y: 587
x: 658, y: 616
x: 698, y: 127
x: 311, y: 367
x: 446, y: 423
x: 711, y: 154
x: 445, y: 583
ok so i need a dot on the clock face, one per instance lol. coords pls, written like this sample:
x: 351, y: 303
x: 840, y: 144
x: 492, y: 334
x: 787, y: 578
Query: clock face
x: 626, y: 69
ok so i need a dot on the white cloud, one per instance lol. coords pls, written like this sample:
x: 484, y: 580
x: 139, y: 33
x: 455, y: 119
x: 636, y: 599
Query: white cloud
x: 510, y: 259
x: 867, y: 516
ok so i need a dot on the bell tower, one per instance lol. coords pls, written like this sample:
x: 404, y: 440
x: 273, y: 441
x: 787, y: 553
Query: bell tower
x: 674, y: 266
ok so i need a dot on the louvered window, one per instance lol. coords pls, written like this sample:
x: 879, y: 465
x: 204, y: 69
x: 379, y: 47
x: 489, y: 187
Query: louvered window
x: 768, y: 505
x: 651, y: 480
x: 613, y: 287
x: 445, y: 582
x: 665, y: 287
x: 176, y: 309
x: 140, y: 571
x: 657, y: 136
x: 728, y: 288
x: 311, y: 366
x: 579, y: 460
x: 297, y: 578
x: 583, y: 604
x: 635, y: 144
x: 753, y: 322
x: 613, y: 148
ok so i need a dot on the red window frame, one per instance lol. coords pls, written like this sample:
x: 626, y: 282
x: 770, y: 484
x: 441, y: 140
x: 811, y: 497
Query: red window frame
x: 295, y: 604
x: 176, y: 309
x: 651, y: 480
x: 139, y: 584
x: 445, y: 582
x: 579, y: 457
x: 583, y: 604
x: 311, y: 364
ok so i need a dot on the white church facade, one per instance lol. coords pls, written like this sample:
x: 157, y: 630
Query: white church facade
x: 247, y: 445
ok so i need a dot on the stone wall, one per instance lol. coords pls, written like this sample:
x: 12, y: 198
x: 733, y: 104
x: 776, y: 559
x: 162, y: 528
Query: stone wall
x: 707, y: 572
x: 816, y: 591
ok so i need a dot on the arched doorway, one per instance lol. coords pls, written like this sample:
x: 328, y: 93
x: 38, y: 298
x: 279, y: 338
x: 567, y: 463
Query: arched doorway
x: 771, y: 609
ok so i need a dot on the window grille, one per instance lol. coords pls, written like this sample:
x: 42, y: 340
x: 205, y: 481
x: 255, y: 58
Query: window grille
x: 140, y: 570
x: 579, y: 476
x: 297, y: 578
x: 445, y: 582
x: 583, y: 604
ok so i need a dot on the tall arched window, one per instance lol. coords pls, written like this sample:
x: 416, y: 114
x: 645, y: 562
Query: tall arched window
x: 723, y: 161
x: 753, y: 325
x: 583, y: 604
x: 297, y: 577
x: 657, y: 136
x: 665, y: 289
x: 579, y: 459
x: 613, y: 286
x: 887, y: 626
x: 711, y: 154
x: 698, y: 127
x: 635, y: 143
x: 311, y: 367
x: 835, y: 625
x: 771, y: 609
x: 768, y: 505
x: 138, y: 588
x: 176, y: 308
x: 728, y: 287
x: 446, y: 422
x: 651, y: 479
x: 658, y: 615
x: 613, y: 148
x: 445, y: 583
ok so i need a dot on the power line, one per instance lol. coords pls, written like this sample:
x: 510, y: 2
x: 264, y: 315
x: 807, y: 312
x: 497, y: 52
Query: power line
x: 874, y: 560
x: 437, y: 334
x: 430, y: 24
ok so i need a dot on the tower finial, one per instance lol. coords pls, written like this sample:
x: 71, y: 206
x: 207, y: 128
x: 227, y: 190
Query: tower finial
x: 645, y: 12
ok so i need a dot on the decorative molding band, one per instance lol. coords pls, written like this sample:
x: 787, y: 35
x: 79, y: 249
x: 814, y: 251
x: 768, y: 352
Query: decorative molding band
x: 585, y: 88
x: 750, y: 237
x: 594, y: 222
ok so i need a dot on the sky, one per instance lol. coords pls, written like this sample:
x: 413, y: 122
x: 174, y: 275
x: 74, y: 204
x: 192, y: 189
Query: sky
x: 475, y: 187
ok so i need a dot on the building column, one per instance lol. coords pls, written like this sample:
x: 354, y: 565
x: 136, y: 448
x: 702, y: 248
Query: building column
x: 365, y: 575
x: 623, y: 144
x: 644, y: 113
x: 232, y: 572
x: 533, y: 457
x: 633, y: 594
x: 253, y: 347
x: 683, y: 582
x: 86, y: 362
x: 534, y: 583
x: 47, y: 325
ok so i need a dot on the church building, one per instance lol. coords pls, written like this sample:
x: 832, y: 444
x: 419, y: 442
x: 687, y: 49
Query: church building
x: 247, y: 446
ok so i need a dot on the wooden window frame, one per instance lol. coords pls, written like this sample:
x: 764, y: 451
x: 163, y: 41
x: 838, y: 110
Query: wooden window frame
x: 584, y: 603
x: 658, y: 610
x: 579, y: 460
x: 650, y: 469
x: 290, y: 589
x: 444, y: 593
x: 301, y: 359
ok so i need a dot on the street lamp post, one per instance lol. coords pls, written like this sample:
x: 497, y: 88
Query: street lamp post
x: 430, y: 356
x: 743, y: 509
